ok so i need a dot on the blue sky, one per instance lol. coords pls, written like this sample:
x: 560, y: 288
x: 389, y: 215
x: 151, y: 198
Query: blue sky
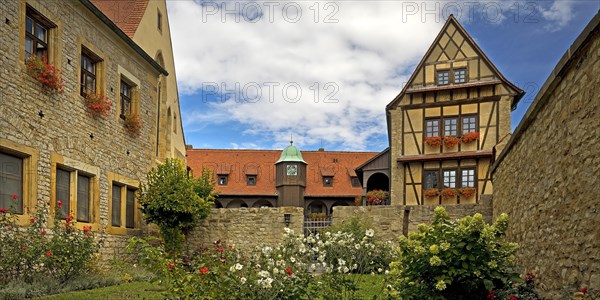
x: 252, y: 73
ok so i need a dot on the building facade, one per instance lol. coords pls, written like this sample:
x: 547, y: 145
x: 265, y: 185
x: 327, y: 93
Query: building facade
x: 314, y: 180
x: 51, y: 148
x: 445, y: 125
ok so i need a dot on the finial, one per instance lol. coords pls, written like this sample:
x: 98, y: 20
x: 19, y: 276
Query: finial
x: 291, y: 139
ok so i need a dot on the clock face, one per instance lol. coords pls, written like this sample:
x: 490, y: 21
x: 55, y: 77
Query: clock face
x: 292, y: 170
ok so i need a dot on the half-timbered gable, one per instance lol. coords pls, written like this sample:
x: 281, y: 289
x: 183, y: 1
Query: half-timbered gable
x: 446, y: 123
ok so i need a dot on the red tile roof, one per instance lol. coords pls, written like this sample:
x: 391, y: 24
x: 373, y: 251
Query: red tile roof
x: 240, y: 163
x: 126, y: 14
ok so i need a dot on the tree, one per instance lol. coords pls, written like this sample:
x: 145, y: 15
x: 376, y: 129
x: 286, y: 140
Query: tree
x: 176, y: 201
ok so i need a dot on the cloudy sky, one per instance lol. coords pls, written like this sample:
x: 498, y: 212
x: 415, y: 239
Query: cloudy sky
x: 250, y: 73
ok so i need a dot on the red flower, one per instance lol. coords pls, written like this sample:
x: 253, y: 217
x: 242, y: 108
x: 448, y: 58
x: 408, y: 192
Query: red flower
x: 3, y: 210
x: 23, y: 248
x: 204, y: 270
x: 14, y: 196
x: 230, y: 247
x: 222, y: 259
x: 43, y: 232
x: 69, y: 218
x: 512, y: 297
x: 48, y: 253
x: 584, y: 290
x: 220, y: 249
x: 491, y: 295
x: 59, y: 204
x: 32, y: 220
x: 288, y: 271
x: 170, y: 266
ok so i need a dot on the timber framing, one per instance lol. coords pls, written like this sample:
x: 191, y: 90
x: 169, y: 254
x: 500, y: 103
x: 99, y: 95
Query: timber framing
x: 446, y: 156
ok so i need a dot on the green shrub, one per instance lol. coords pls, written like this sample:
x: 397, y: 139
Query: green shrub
x: 452, y: 259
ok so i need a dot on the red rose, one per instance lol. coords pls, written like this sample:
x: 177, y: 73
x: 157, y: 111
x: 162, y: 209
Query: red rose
x: 230, y: 247
x: 204, y: 270
x: 23, y: 248
x: 48, y: 253
x: 32, y: 220
x: 491, y: 295
x: 59, y: 204
x: 584, y: 290
x: 220, y: 249
x: 170, y: 266
x: 3, y: 210
x: 288, y: 271
x: 14, y: 196
x: 512, y: 297
x: 69, y: 218
x: 42, y: 232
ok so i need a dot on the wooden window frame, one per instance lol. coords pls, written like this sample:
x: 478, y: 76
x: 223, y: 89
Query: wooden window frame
x: 124, y: 184
x: 437, y: 77
x: 462, y: 182
x: 327, y: 181
x: 73, y: 203
x: 439, y: 129
x: 37, y: 18
x: 355, y: 182
x: 251, y: 180
x: 20, y: 209
x: 443, y: 177
x: 96, y: 73
x: 423, y: 181
x: 449, y: 118
x: 462, y: 122
x: 125, y: 98
x: 466, y: 75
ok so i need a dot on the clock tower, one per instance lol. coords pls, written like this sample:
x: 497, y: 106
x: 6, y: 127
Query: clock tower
x: 290, y: 177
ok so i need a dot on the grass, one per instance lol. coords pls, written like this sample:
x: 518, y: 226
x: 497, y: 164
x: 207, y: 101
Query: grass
x: 134, y: 290
x: 370, y: 286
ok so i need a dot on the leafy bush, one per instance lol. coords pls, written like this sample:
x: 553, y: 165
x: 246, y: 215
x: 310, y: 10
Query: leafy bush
x: 452, y: 259
x: 175, y: 201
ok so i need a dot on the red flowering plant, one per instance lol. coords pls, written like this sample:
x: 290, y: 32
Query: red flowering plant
x: 46, y: 74
x: 467, y: 191
x: 470, y: 137
x: 448, y: 193
x: 451, y: 141
x: 431, y: 193
x: 433, y: 141
x: 133, y: 125
x: 98, y: 105
x: 376, y: 197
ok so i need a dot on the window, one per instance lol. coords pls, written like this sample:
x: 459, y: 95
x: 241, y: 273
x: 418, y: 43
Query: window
x: 11, y: 182
x: 159, y: 21
x: 327, y: 181
x: 251, y: 180
x: 451, y: 127
x: 432, y: 128
x: 449, y: 178
x: 460, y: 75
x: 355, y: 182
x: 222, y: 180
x: 125, y: 99
x: 468, y: 178
x: 37, y: 29
x: 130, y: 208
x: 88, y: 72
x: 443, y: 77
x: 116, y: 205
x: 431, y: 179
x: 469, y: 124
x: 81, y: 188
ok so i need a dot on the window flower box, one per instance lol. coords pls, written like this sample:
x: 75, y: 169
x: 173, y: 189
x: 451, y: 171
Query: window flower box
x: 98, y: 106
x: 448, y: 193
x: 431, y: 193
x: 133, y: 125
x: 47, y: 75
x: 468, y: 192
x: 433, y: 141
x: 451, y: 141
x: 470, y: 137
x: 376, y: 197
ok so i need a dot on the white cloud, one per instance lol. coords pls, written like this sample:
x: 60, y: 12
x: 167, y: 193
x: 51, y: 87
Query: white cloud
x: 362, y: 61
x: 559, y: 14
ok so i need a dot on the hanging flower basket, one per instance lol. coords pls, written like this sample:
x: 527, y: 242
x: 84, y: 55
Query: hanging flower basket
x: 451, y: 141
x: 432, y: 193
x: 448, y: 193
x: 433, y: 141
x: 468, y: 192
x: 133, y: 125
x: 470, y: 137
x: 47, y: 75
x: 98, y: 106
x: 376, y: 197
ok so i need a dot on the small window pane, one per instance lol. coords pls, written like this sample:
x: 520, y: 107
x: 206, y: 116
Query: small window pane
x: 443, y: 77
x: 355, y: 182
x: 469, y: 124
x: 432, y: 128
x: 468, y: 178
x: 63, y: 191
x: 450, y: 179
x: 222, y: 180
x: 116, y: 206
x: 40, y: 32
x: 11, y: 182
x: 251, y: 180
x: 431, y: 179
x: 327, y: 181
x: 29, y: 24
x: 460, y: 76
x: 83, y: 198
x: 450, y: 127
x: 130, y: 209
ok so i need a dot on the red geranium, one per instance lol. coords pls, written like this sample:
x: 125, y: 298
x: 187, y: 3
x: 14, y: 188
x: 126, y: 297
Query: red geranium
x: 431, y: 193
x: 32, y: 220
x: 448, y: 192
x: 468, y: 191
x: 133, y: 125
x: 43, y: 232
x: 46, y: 74
x: 3, y: 210
x: 491, y: 295
x: 512, y: 297
x: 220, y: 249
x: 59, y: 204
x: 451, y: 141
x: 470, y: 137
x: 434, y: 141
x: 288, y: 271
x: 204, y: 270
x: 98, y: 105
x: 48, y: 253
x: 14, y: 196
x: 69, y: 218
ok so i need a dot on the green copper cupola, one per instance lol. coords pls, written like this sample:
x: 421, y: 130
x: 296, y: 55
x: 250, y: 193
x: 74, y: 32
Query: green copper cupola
x: 290, y: 154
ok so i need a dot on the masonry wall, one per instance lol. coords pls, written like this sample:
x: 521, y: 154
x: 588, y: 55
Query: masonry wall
x: 247, y: 228
x: 389, y: 221
x: 548, y: 180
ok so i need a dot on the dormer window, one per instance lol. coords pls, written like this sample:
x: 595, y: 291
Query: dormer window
x: 460, y: 75
x: 251, y: 180
x: 443, y: 77
x: 222, y: 180
x: 327, y: 181
x: 355, y: 182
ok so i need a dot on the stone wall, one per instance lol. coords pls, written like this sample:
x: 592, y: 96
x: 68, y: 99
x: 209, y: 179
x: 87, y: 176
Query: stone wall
x: 390, y: 222
x: 247, y: 228
x: 547, y: 179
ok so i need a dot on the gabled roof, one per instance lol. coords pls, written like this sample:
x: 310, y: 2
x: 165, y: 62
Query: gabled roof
x: 453, y: 21
x: 126, y: 14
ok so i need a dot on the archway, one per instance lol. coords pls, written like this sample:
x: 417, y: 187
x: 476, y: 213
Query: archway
x: 316, y: 210
x: 237, y: 204
x: 378, y: 181
x: 218, y: 204
x: 337, y: 203
x: 262, y: 203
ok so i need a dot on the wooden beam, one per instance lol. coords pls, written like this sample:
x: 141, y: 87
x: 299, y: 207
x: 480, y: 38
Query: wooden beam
x: 445, y: 156
x: 455, y: 102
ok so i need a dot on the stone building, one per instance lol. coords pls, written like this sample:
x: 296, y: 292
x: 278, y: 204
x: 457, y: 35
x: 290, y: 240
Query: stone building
x: 547, y: 178
x: 50, y: 147
x: 444, y: 125
x: 314, y: 180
